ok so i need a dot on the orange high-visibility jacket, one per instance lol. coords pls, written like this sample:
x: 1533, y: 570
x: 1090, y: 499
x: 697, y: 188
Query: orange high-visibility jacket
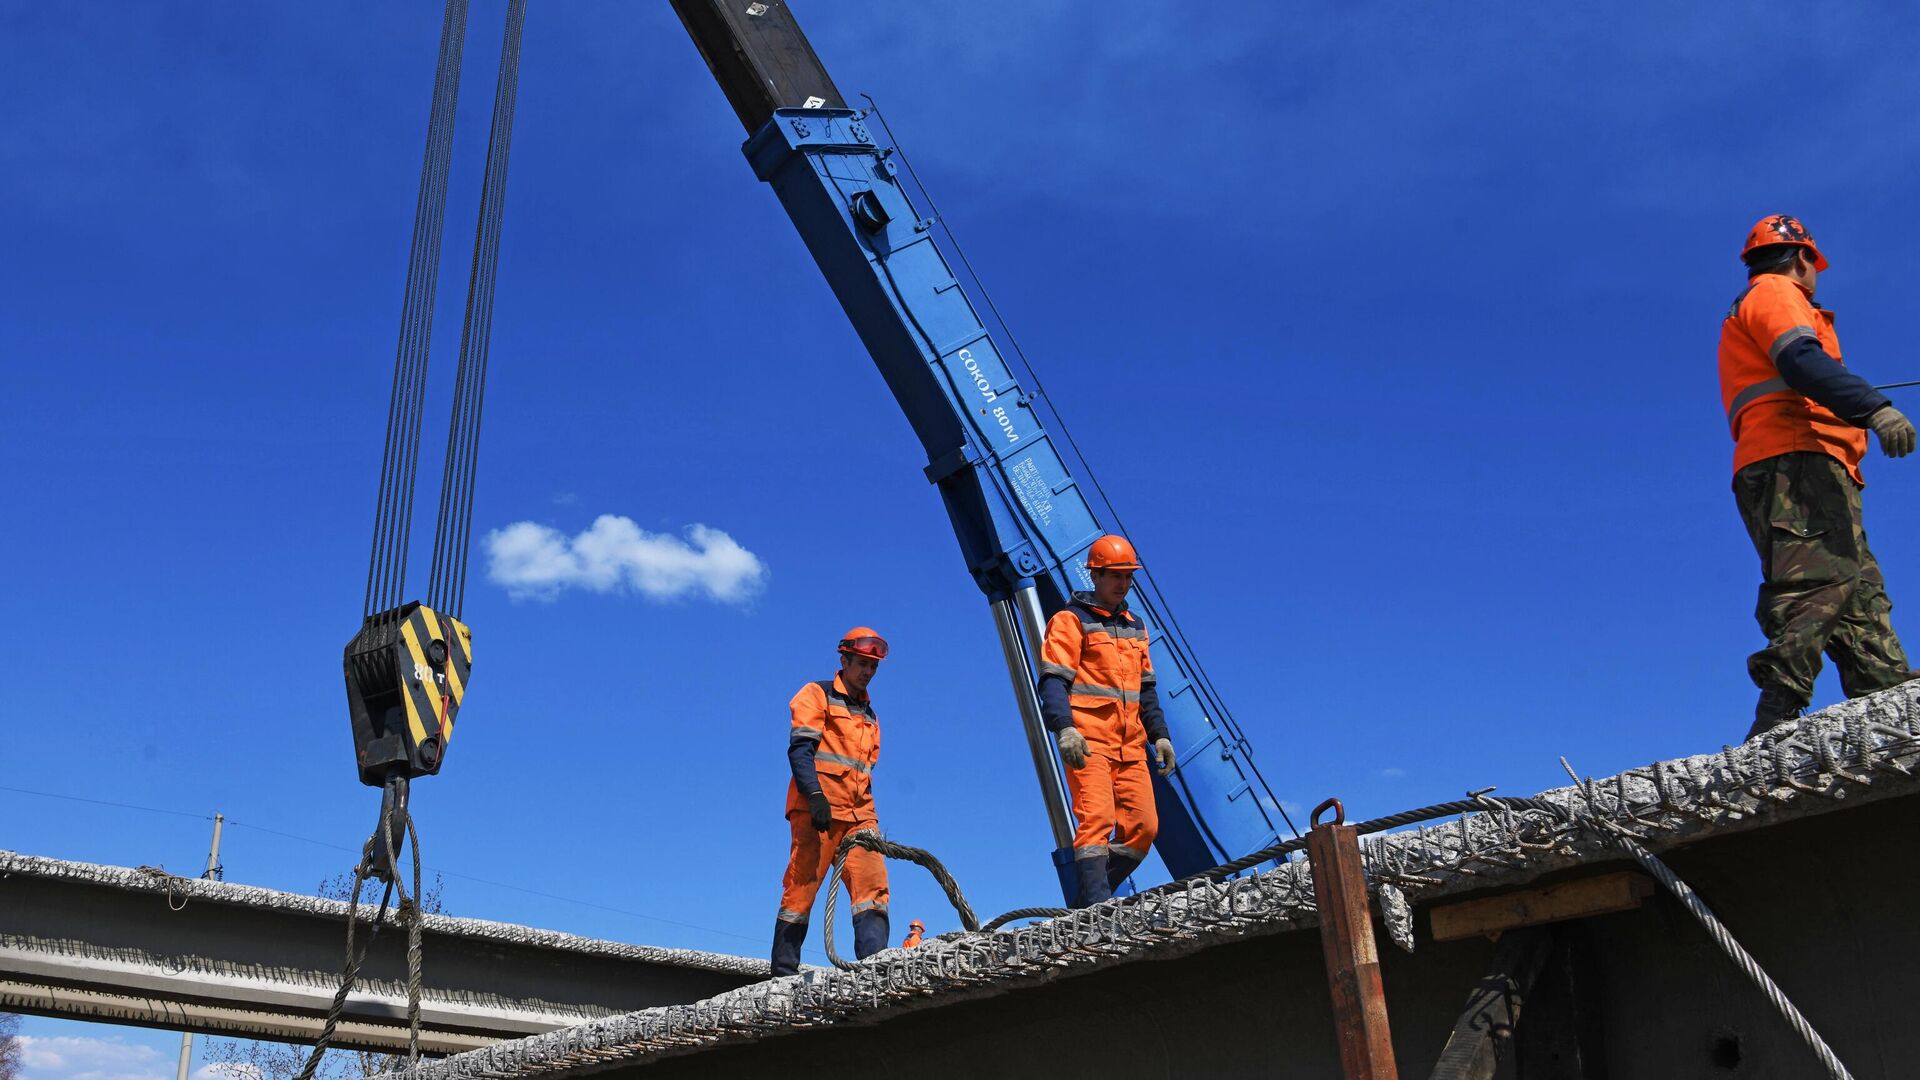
x: 1767, y: 418
x: 1105, y: 658
x: 846, y: 734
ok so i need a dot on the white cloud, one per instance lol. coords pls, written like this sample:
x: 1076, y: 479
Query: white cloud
x: 66, y: 1057
x: 1393, y: 773
x: 532, y: 561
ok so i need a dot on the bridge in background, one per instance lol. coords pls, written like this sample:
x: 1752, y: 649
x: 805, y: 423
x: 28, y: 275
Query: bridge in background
x: 137, y: 946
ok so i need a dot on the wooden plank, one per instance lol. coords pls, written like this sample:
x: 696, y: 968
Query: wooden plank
x: 1620, y: 891
x: 1482, y: 1034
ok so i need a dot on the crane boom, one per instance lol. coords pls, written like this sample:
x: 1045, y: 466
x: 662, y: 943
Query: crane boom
x: 1021, y: 517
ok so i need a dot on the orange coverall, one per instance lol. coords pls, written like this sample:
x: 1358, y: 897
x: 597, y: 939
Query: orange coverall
x: 1103, y: 656
x: 847, y: 734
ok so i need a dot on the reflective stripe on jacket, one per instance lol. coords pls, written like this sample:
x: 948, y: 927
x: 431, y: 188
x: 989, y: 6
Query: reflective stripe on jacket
x: 1766, y: 417
x: 1105, y: 658
x: 846, y: 737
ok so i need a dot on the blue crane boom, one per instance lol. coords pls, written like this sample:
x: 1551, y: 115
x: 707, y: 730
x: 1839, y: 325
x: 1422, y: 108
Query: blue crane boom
x: 1022, y: 519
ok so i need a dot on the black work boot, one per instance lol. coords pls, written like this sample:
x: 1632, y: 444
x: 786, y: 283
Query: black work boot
x: 787, y: 939
x: 1092, y: 877
x: 1776, y: 707
x: 872, y: 931
x: 1119, y: 868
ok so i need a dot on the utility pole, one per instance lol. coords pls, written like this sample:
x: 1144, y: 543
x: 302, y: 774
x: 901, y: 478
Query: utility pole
x: 213, y: 871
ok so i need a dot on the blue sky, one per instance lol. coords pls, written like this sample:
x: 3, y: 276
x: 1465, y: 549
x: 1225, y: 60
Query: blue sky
x: 1389, y: 329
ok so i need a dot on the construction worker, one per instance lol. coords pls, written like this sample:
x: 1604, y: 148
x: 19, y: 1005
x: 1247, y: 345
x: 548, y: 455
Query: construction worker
x: 1097, y: 697
x: 915, y: 930
x: 1799, y: 421
x: 833, y: 743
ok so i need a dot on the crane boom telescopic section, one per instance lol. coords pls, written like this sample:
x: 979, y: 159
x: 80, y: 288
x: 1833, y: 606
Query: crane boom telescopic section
x: 1022, y: 520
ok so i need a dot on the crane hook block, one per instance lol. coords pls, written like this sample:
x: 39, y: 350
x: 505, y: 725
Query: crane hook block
x: 406, y: 670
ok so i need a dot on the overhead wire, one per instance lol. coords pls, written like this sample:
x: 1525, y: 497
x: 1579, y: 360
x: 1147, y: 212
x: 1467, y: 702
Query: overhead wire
x: 232, y: 823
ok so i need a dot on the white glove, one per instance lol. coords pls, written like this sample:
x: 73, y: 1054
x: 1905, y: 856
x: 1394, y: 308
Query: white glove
x: 1163, y: 749
x: 1073, y: 747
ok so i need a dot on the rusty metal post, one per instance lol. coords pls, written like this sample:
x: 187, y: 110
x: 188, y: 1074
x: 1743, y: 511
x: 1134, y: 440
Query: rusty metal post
x: 1346, y: 935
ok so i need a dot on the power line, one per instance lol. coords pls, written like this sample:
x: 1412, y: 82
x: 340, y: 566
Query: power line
x: 356, y: 851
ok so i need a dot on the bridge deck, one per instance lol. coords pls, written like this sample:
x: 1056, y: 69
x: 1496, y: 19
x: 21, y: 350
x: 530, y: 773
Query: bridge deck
x: 107, y: 943
x: 1799, y: 844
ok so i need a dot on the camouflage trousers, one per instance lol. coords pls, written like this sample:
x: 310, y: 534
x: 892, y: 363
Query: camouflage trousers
x: 1822, y: 590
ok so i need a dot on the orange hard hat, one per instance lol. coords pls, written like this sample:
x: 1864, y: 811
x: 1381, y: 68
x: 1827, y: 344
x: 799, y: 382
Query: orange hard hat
x: 915, y: 925
x: 1112, y: 553
x: 1783, y: 229
x: 864, y: 641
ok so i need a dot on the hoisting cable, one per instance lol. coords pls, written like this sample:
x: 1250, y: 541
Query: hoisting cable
x: 453, y: 527
x: 386, y: 570
x: 1476, y: 802
x: 1157, y: 603
x: 408, y: 913
x: 872, y: 841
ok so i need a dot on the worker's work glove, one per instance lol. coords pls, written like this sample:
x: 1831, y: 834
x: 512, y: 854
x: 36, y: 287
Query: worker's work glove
x: 821, y: 811
x: 1895, y: 431
x: 1163, y: 749
x: 1073, y: 747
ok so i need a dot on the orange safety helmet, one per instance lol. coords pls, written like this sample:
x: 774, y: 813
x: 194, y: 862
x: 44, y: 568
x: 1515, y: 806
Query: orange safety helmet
x: 1112, y: 553
x: 864, y: 641
x: 1783, y: 229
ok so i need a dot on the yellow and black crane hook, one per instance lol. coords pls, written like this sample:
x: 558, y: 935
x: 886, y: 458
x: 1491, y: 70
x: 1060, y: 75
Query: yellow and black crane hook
x: 408, y: 666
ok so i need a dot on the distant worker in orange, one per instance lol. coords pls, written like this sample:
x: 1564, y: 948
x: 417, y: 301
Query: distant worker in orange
x: 1097, y: 696
x: 833, y: 743
x: 1799, y: 421
x: 914, y: 931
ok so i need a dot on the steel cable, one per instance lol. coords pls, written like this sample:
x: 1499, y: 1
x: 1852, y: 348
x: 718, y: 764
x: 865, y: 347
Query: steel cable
x: 386, y: 570
x: 352, y: 969
x: 409, y: 912
x: 873, y: 841
x: 453, y: 526
x: 1728, y: 944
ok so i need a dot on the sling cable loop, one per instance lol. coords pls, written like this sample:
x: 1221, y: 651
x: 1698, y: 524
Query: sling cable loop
x: 453, y: 529
x: 386, y: 570
x: 873, y: 841
x: 409, y: 913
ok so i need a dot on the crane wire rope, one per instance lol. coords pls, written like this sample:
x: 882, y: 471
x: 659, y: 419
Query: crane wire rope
x: 1479, y: 801
x: 453, y: 528
x: 386, y: 569
x: 1158, y: 603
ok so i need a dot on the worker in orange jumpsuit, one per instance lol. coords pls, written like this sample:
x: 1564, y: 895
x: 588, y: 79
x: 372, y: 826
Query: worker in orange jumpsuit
x: 915, y: 930
x: 1097, y: 696
x: 1799, y: 421
x: 832, y: 745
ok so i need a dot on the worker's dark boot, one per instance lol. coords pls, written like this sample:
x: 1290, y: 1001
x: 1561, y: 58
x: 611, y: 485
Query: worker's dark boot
x: 1092, y: 876
x: 787, y: 939
x: 1119, y: 868
x: 1776, y: 707
x: 872, y: 930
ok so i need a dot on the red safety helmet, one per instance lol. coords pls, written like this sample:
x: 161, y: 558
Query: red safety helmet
x: 1112, y: 553
x: 1783, y: 229
x: 864, y: 641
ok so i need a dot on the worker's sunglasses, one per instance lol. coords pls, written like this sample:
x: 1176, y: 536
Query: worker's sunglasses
x: 875, y: 647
